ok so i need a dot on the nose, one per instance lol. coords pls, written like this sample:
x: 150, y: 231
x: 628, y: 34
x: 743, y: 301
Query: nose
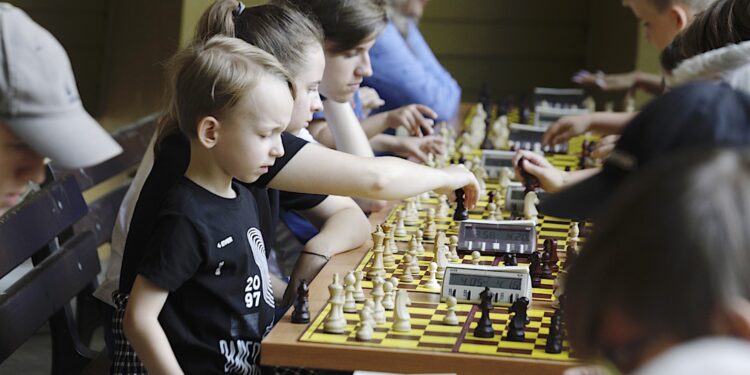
x: 316, y: 105
x: 364, y: 69
x: 277, y: 149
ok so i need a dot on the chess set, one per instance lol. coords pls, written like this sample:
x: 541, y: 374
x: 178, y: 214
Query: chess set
x: 416, y: 242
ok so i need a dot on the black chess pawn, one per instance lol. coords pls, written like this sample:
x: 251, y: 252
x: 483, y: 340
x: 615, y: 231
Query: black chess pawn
x: 546, y: 269
x: 553, y: 256
x: 555, y: 337
x: 301, y: 313
x: 535, y: 270
x: 510, y: 260
x: 484, y: 325
x: 461, y: 212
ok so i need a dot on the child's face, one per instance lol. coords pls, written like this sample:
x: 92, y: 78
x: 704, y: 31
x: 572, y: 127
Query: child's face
x: 307, y: 82
x: 661, y: 27
x: 249, y: 139
x: 19, y: 164
x: 344, y: 71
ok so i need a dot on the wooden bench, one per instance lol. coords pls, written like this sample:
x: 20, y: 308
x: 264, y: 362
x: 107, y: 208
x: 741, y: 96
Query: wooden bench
x: 60, y: 233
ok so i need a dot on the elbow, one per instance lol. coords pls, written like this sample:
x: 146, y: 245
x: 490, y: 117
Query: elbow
x: 379, y: 180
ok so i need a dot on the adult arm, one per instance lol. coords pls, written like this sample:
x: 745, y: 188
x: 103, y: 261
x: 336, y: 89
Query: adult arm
x: 602, y: 123
x: 550, y: 178
x: 344, y: 128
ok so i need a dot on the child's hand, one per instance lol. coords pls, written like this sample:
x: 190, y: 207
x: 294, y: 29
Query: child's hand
x: 605, y: 82
x: 461, y: 178
x: 416, y: 118
x: 550, y: 178
x: 604, y: 146
x: 418, y: 147
x: 370, y: 99
x: 566, y: 128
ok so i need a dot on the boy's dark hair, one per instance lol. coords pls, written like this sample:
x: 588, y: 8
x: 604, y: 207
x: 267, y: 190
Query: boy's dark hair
x: 673, y: 250
x: 346, y: 23
x: 723, y: 22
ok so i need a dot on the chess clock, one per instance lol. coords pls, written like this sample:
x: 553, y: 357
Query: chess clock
x: 466, y: 281
x: 514, y: 195
x: 546, y: 116
x: 497, y: 237
x: 529, y: 137
x: 494, y: 160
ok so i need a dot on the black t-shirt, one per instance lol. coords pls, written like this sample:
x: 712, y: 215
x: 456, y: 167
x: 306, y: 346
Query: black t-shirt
x: 169, y: 166
x: 208, y: 252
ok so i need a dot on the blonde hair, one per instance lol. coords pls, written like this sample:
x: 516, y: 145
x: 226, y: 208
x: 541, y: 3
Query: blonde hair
x: 209, y: 79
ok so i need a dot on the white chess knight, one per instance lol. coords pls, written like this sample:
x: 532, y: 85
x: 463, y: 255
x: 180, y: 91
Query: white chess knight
x: 401, y: 316
x: 530, y: 200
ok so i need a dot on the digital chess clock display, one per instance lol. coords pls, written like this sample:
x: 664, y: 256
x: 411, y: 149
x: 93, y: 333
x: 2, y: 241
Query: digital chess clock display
x: 507, y: 236
x: 494, y: 160
x: 466, y: 281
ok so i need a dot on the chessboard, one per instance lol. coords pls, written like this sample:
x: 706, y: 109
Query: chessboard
x: 428, y: 333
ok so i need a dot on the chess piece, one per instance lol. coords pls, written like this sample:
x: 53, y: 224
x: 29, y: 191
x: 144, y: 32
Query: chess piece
x: 498, y: 212
x: 535, y: 270
x: 377, y: 268
x: 530, y: 182
x: 335, y: 321
x: 530, y: 200
x: 475, y: 257
x: 420, y: 239
x: 453, y: 247
x: 350, y: 305
x: 388, y: 297
x: 430, y: 230
x: 558, y: 288
x: 359, y: 294
x: 517, y: 324
x: 554, y: 257
x: 546, y: 270
x: 484, y: 325
x: 450, y: 318
x: 555, y: 336
x: 401, y: 316
x: 365, y: 328
x: 510, y: 260
x: 574, y: 231
x: 505, y: 177
x: 432, y: 283
x: 378, y: 312
x: 394, y: 282
x: 301, y: 313
x: 400, y: 229
x: 571, y: 253
x: 440, y: 259
x: 443, y: 208
x: 406, y: 275
x: 414, y: 264
x: 461, y: 212
x: 491, y: 209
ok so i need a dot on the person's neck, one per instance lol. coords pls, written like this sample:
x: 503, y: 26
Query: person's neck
x: 204, y: 172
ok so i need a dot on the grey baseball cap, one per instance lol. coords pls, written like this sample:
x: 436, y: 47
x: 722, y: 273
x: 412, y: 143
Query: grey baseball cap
x: 39, y: 100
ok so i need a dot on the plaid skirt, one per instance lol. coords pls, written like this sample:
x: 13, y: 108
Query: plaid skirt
x: 125, y: 360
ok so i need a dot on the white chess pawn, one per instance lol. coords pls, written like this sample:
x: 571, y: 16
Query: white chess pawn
x: 406, y: 275
x: 530, y: 200
x: 475, y: 257
x: 400, y: 229
x: 359, y: 294
x: 420, y: 245
x: 574, y: 231
x: 450, y: 318
x: 378, y: 312
x: 441, y: 259
x: 388, y: 297
x: 350, y: 305
x: 430, y: 230
x: 453, y: 248
x: 432, y: 283
x: 491, y: 209
x: 401, y: 316
x: 394, y: 282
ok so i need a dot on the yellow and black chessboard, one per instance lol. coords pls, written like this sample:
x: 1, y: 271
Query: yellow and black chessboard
x: 428, y: 333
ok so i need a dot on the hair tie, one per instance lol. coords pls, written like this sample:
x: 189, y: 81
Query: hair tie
x: 240, y: 8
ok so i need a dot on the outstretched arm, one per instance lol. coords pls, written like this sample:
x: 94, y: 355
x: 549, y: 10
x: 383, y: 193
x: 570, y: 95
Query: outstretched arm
x: 341, y: 130
x: 318, y: 170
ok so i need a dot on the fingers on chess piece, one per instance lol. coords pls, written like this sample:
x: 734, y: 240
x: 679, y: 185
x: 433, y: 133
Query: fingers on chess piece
x: 301, y: 313
x: 530, y: 182
x: 450, y: 318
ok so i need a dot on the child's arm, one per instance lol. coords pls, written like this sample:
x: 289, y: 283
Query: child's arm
x: 344, y: 128
x: 416, y: 118
x: 319, y: 170
x: 602, y: 123
x: 342, y: 227
x: 551, y: 179
x: 142, y: 328
x: 409, y: 147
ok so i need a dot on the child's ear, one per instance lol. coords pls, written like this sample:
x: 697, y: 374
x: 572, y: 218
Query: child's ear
x: 680, y: 16
x: 736, y: 318
x: 207, y: 131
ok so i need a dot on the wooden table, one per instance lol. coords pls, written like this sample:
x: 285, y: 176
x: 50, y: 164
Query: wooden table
x: 283, y: 348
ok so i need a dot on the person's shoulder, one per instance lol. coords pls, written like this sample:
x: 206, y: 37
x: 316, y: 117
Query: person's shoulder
x: 720, y: 355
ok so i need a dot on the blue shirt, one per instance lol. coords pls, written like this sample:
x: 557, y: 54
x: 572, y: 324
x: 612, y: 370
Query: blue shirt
x: 405, y: 71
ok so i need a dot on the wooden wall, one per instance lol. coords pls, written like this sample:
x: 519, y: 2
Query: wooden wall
x: 515, y: 45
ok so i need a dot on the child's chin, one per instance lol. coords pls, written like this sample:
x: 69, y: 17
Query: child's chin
x: 248, y: 179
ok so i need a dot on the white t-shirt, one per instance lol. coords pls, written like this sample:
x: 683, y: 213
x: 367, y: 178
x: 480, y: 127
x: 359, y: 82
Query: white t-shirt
x: 715, y: 355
